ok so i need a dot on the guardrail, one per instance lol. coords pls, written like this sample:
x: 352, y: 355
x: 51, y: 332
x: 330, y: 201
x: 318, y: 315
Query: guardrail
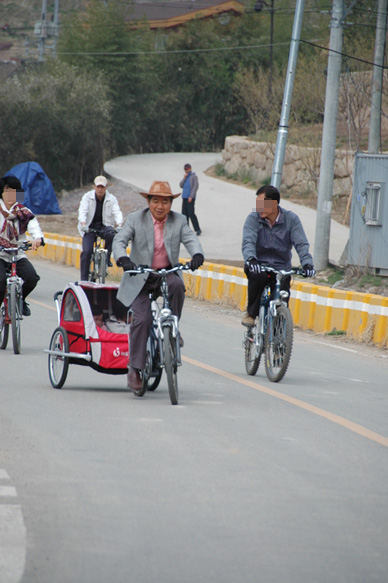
x: 363, y: 317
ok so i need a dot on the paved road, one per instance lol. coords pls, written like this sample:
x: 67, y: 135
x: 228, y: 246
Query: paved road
x: 221, y: 207
x: 243, y: 481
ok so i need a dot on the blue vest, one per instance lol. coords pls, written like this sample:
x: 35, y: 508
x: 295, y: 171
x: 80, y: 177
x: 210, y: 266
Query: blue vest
x: 187, y: 187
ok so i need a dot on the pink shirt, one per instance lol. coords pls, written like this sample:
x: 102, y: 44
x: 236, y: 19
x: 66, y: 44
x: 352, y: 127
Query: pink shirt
x: 160, y: 258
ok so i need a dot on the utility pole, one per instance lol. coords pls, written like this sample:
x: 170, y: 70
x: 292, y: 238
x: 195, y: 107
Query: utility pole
x: 329, y: 136
x: 375, y: 108
x: 282, y: 136
x: 55, y: 31
x: 43, y: 31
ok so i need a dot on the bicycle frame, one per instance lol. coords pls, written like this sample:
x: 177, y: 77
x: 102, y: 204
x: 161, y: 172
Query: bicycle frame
x: 272, y: 332
x: 163, y: 344
x: 96, y: 258
x: 13, y: 299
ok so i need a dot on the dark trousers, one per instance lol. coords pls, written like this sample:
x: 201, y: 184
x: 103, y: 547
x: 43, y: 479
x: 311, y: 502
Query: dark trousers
x: 87, y: 248
x: 256, y: 285
x: 25, y: 270
x: 188, y: 209
x: 142, y: 318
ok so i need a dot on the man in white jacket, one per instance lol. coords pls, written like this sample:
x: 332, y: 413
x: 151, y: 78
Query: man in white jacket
x: 99, y: 210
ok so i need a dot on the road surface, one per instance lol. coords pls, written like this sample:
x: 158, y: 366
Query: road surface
x: 243, y: 481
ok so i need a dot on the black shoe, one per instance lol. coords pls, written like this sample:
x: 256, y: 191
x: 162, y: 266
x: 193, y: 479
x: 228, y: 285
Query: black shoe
x: 110, y: 264
x: 198, y: 233
x: 26, y: 309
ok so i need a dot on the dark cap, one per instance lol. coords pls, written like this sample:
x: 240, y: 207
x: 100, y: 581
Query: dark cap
x: 186, y: 166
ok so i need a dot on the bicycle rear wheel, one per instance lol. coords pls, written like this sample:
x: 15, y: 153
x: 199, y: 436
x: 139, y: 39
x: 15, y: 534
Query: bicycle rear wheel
x: 58, y: 365
x: 252, y: 352
x: 278, y: 350
x: 170, y: 364
x: 4, y: 328
x: 15, y: 313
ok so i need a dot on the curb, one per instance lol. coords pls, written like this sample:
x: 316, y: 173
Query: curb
x: 321, y: 309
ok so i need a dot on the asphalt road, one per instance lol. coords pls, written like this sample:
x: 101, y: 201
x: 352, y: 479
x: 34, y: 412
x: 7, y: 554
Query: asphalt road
x: 221, y: 206
x: 243, y: 481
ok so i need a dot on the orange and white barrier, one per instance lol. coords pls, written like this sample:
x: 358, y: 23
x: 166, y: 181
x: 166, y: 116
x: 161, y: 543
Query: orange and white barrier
x: 363, y: 317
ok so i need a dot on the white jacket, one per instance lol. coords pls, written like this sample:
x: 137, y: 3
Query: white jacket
x: 111, y: 213
x: 33, y: 229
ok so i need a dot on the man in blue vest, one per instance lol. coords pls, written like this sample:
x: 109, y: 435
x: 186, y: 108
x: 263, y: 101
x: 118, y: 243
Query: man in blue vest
x: 189, y: 185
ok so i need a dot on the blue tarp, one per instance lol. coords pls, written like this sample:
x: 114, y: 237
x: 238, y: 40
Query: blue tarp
x: 39, y: 194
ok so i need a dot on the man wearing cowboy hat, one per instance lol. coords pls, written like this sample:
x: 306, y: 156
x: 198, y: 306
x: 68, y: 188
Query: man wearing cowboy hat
x: 156, y: 234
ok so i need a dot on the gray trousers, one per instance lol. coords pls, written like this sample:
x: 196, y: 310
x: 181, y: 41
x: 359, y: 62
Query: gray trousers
x: 142, y: 317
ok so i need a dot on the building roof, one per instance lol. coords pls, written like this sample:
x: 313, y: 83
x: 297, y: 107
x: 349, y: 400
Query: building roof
x: 176, y: 12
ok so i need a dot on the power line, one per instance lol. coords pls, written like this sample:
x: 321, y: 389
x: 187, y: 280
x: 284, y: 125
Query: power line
x: 242, y: 48
x: 342, y: 54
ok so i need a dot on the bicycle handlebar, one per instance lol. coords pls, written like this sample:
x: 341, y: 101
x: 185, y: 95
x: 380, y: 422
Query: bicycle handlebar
x: 24, y: 247
x: 163, y: 271
x: 283, y: 272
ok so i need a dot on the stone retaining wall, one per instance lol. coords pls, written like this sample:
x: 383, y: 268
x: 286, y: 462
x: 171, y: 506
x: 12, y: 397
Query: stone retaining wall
x: 301, y: 165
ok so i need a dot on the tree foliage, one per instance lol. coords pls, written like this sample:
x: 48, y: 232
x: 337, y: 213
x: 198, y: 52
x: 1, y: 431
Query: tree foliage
x: 57, y: 116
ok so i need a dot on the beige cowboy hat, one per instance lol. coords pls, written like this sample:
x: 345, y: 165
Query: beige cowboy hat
x: 160, y: 188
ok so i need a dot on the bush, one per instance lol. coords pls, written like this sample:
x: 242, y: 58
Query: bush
x: 58, y: 116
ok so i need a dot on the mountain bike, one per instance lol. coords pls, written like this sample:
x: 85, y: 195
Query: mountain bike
x: 272, y: 333
x: 163, y: 343
x: 98, y: 268
x: 11, y: 310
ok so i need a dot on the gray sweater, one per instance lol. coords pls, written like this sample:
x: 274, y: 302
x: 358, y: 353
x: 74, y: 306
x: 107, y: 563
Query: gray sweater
x: 274, y: 245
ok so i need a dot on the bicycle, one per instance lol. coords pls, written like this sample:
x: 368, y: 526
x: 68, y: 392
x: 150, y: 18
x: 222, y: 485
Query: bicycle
x: 98, y: 268
x: 11, y: 310
x: 272, y: 333
x: 163, y: 344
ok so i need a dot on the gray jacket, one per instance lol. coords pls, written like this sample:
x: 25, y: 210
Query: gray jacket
x: 193, y: 180
x: 139, y: 229
x: 274, y: 245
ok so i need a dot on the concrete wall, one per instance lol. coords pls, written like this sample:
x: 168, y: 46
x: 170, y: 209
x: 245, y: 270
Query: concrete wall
x: 301, y: 165
x: 364, y: 317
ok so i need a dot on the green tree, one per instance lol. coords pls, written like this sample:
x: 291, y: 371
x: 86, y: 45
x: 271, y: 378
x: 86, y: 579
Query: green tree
x: 49, y: 115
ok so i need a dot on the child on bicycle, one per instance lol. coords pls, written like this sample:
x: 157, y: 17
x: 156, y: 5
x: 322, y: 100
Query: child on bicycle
x: 15, y: 219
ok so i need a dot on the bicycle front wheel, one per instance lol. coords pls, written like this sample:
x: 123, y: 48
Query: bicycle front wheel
x: 4, y: 328
x: 170, y: 364
x: 278, y: 344
x: 58, y: 365
x: 92, y: 269
x: 15, y: 313
x: 101, y: 273
x: 252, y: 352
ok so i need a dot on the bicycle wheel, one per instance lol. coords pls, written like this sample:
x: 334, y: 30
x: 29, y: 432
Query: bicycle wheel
x: 92, y: 269
x: 58, y: 365
x: 101, y: 272
x: 15, y: 314
x: 278, y: 351
x: 170, y: 364
x: 153, y: 382
x: 252, y: 352
x: 4, y: 328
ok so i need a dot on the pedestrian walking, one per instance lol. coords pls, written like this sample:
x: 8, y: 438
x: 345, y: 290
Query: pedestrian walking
x: 189, y: 185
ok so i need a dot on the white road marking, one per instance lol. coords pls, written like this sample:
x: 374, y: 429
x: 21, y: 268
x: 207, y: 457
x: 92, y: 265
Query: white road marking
x: 3, y: 475
x: 13, y: 542
x: 7, y: 491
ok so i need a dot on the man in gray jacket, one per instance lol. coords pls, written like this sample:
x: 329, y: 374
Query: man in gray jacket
x: 268, y: 237
x: 156, y: 234
x: 189, y: 184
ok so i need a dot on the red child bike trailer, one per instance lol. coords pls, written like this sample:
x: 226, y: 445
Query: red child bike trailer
x: 78, y: 340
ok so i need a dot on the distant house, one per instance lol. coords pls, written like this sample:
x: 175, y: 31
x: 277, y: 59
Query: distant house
x: 167, y: 15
